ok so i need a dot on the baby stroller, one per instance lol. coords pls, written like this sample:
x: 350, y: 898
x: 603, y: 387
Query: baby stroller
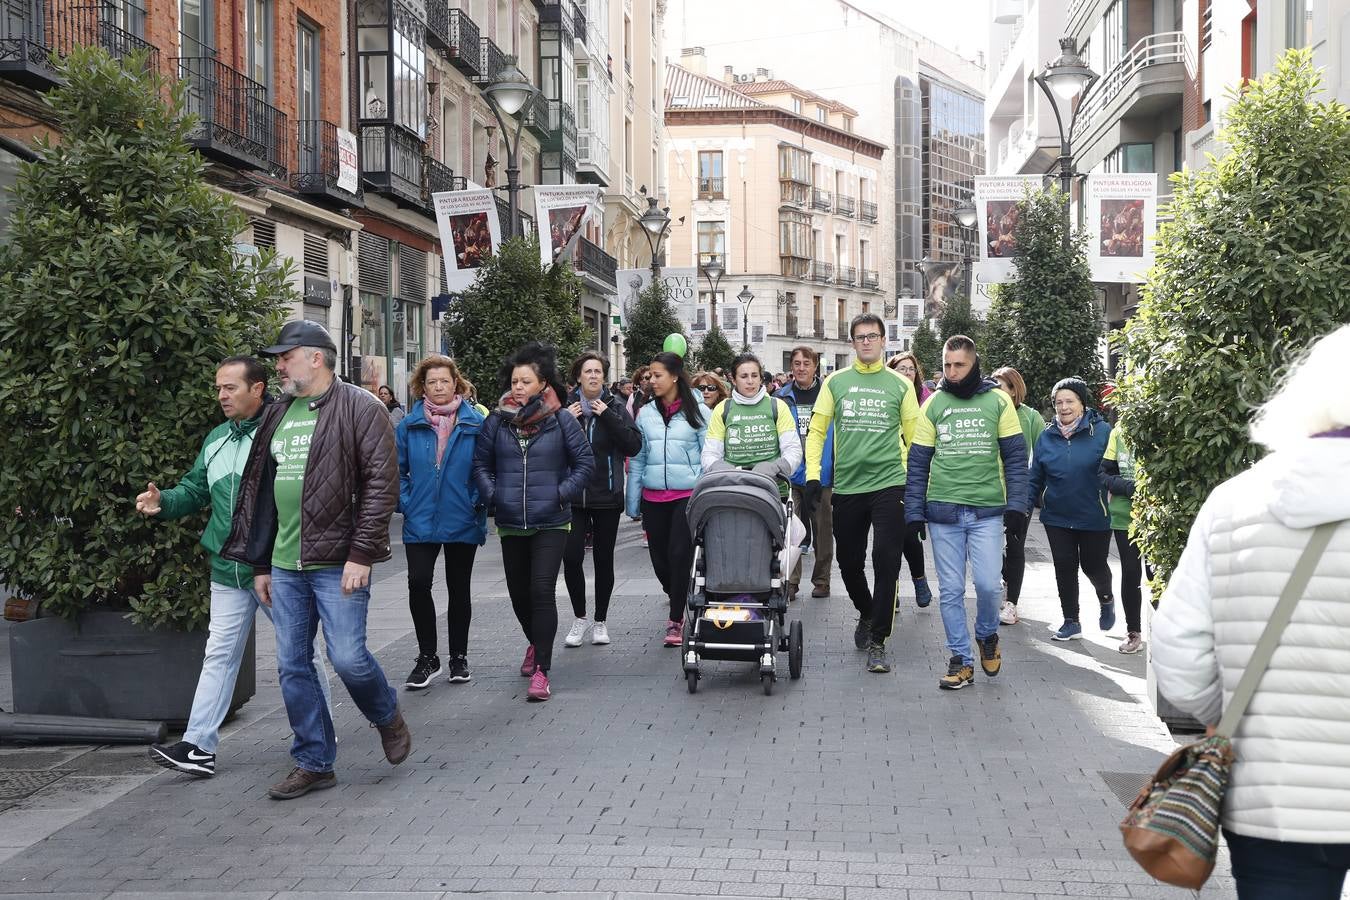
x: 738, y: 592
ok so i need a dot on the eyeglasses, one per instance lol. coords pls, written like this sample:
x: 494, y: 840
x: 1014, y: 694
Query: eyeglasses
x: 708, y: 387
x: 869, y: 338
x: 908, y: 370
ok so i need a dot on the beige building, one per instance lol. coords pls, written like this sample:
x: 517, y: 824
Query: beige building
x: 776, y: 184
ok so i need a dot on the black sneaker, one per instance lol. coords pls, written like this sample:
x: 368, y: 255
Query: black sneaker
x: 459, y: 669
x: 862, y: 635
x: 877, y: 660
x: 991, y: 658
x: 958, y: 675
x: 427, y: 668
x: 184, y: 757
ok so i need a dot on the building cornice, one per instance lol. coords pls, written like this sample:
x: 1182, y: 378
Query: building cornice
x: 781, y: 118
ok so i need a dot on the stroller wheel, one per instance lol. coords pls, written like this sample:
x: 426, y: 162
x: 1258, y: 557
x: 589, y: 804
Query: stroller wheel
x: 692, y: 678
x: 768, y: 680
x: 795, y: 650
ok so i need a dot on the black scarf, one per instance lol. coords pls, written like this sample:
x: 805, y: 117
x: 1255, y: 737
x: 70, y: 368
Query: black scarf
x: 967, y: 387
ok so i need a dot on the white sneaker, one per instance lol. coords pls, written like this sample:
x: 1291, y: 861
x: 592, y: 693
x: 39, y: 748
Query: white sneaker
x: 599, y: 634
x: 578, y: 632
x: 1007, y: 614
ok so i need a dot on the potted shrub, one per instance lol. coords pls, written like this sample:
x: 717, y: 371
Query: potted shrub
x: 121, y: 293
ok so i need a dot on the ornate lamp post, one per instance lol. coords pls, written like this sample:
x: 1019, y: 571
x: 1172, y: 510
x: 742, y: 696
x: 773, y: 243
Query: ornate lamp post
x: 510, y: 92
x: 712, y: 270
x: 745, y: 297
x: 1066, y: 77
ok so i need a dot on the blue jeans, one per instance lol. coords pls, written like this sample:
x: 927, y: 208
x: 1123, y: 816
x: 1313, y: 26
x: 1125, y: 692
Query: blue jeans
x: 232, y: 612
x: 300, y: 601
x: 981, y: 542
x: 1281, y: 870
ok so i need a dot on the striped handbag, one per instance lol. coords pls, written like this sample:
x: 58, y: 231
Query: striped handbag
x: 1172, y: 827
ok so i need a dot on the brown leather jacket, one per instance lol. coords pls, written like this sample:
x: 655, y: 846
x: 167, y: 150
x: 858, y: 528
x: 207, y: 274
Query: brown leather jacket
x: 350, y: 489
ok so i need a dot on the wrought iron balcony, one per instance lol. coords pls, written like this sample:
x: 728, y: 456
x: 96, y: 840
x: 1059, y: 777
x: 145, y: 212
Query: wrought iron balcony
x: 818, y: 328
x: 318, y: 164
x: 464, y: 52
x: 437, y: 178
x: 100, y: 25
x: 562, y: 131
x: 391, y: 164
x: 822, y: 271
x: 843, y: 205
x: 867, y: 211
x: 539, y: 118
x: 821, y: 199
x: 523, y: 220
x: 235, y: 123
x: 710, y: 188
x: 491, y: 60
x: 592, y: 260
x: 845, y: 275
x: 579, y: 21
x: 560, y: 14
x: 32, y: 30
x: 438, y: 24
x: 25, y: 49
x: 871, y: 280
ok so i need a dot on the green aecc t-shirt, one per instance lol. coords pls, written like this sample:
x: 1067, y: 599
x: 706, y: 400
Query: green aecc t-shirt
x: 967, y: 466
x: 290, y: 449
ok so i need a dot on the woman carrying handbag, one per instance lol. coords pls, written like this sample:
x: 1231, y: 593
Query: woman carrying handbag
x: 1220, y: 643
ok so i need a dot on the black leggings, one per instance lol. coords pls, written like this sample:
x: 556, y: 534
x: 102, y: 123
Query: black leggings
x: 532, y: 565
x: 914, y: 555
x: 1071, y: 548
x: 1014, y: 553
x: 458, y: 575
x: 604, y: 526
x: 1131, y: 570
x: 882, y: 512
x: 671, y: 548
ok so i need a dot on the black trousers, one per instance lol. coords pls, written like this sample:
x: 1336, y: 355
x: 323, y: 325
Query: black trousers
x: 458, y: 575
x: 671, y: 548
x: 1131, y: 570
x: 603, y: 524
x: 532, y: 565
x: 883, y: 513
x: 1072, y: 549
x: 1014, y: 554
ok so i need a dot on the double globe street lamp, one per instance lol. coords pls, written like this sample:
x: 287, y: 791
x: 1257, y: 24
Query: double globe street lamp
x: 1062, y: 80
x: 712, y: 270
x: 510, y: 92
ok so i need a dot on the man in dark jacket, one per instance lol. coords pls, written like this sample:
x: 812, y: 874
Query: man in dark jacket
x: 800, y: 395
x: 315, y: 499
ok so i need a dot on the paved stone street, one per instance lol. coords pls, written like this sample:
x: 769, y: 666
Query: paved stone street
x: 841, y: 785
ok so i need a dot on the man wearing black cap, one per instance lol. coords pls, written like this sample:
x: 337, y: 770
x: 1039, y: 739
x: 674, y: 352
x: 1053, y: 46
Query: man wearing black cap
x: 315, y: 499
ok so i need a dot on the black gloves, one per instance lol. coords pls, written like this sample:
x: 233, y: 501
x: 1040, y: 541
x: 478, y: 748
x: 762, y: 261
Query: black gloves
x: 810, y: 499
x: 919, y: 528
x: 1015, y: 518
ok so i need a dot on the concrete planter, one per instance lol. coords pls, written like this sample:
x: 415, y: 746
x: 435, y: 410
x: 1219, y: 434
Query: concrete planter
x: 103, y: 665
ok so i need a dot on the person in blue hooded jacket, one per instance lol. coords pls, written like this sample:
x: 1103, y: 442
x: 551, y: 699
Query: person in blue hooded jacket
x: 440, y: 507
x: 1064, y: 484
x: 800, y: 395
x: 531, y: 462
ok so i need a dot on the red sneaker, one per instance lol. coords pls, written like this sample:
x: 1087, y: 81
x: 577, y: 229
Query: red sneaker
x: 673, y: 636
x: 527, y: 667
x: 538, y: 690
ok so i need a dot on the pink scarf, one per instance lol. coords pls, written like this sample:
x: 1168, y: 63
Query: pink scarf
x: 1068, y: 430
x: 442, y: 419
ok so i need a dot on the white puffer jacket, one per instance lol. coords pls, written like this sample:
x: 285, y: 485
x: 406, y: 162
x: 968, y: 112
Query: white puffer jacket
x: 1291, y: 781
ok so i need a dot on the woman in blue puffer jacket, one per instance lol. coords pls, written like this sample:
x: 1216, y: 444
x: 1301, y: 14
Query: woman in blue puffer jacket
x: 531, y: 461
x: 1065, y: 486
x: 440, y: 507
x: 661, y: 478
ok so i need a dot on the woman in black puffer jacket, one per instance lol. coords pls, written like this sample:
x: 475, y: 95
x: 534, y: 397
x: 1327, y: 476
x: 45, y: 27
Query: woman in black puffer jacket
x: 532, y: 460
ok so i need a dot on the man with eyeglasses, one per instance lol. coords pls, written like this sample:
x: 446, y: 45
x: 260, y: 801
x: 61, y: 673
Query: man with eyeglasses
x: 873, y: 411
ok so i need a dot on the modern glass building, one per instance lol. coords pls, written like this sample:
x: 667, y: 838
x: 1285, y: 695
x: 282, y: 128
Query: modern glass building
x: 953, y: 152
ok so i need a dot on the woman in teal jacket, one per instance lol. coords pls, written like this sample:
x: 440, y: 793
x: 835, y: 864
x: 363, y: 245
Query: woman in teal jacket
x: 440, y: 507
x: 1064, y: 485
x: 661, y: 478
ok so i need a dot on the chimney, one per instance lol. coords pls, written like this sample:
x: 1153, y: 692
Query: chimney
x: 728, y: 75
x: 695, y: 60
x: 763, y: 75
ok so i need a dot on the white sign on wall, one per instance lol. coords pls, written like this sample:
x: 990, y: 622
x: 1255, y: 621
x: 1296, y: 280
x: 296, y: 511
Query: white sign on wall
x: 348, y: 168
x: 681, y: 282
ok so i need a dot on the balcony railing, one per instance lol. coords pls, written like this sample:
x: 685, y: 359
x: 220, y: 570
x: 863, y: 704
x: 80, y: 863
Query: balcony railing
x: 842, y: 333
x: 561, y: 133
x: 870, y: 279
x: 391, y: 163
x: 845, y: 275
x: 437, y: 178
x: 710, y: 188
x: 1150, y: 50
x: 818, y: 328
x: 594, y: 261
x: 523, y: 220
x: 32, y: 30
x: 821, y: 199
x: 822, y: 271
x: 234, y: 120
x: 867, y: 211
x: 25, y: 51
x: 843, y: 205
x: 540, y: 118
x: 491, y: 60
x: 318, y: 166
x: 464, y: 50
x: 579, y: 21
x: 96, y: 25
x: 438, y: 24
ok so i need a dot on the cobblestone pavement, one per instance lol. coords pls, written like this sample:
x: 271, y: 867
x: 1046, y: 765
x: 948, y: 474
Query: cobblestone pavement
x: 844, y: 784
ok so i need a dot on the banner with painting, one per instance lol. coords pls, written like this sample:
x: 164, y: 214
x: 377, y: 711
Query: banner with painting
x: 470, y: 232
x: 1121, y: 218
x: 561, y: 211
x: 996, y: 201
x: 681, y: 282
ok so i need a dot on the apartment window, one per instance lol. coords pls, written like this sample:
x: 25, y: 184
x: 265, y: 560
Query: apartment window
x: 628, y: 45
x: 450, y: 134
x: 794, y: 243
x: 583, y: 103
x: 410, y: 72
x: 822, y: 115
x: 258, y: 25
x: 1299, y: 25
x: 503, y: 25
x: 1116, y: 32
x: 840, y: 250
x: 794, y: 164
x: 628, y: 154
x: 1130, y: 158
x: 712, y: 239
x: 196, y: 25
x: 864, y: 254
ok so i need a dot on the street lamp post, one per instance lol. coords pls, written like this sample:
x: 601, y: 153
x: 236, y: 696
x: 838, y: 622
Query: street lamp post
x: 966, y: 215
x: 745, y: 297
x: 712, y: 270
x: 510, y: 92
x: 1066, y: 77
x: 655, y: 226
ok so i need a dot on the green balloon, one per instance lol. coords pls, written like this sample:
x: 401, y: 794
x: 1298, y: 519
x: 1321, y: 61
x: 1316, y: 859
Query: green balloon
x: 675, y: 343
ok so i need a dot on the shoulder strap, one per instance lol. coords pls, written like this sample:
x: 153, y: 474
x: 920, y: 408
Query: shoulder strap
x: 1279, y: 618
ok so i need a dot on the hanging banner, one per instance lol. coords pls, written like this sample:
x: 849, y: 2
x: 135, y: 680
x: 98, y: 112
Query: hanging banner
x: 561, y: 211
x: 470, y: 232
x: 1122, y: 216
x: 996, y: 201
x: 682, y: 283
x: 348, y: 170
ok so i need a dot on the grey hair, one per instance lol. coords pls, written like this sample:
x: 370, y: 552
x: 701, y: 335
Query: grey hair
x: 329, y: 356
x: 1308, y: 400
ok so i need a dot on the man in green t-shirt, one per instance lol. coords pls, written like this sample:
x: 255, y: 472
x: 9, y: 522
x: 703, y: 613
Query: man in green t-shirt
x: 873, y: 410
x: 967, y: 468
